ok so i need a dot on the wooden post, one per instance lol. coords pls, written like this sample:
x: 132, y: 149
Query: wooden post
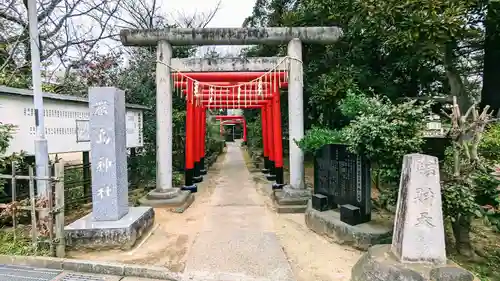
x: 34, y: 228
x: 87, y: 189
x: 270, y: 141
x: 50, y: 210
x: 59, y: 208
x: 277, y: 138
x: 264, y: 140
x: 189, y: 147
x: 14, y: 198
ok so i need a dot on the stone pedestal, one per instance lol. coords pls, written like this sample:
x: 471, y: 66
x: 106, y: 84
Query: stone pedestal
x: 360, y: 236
x: 87, y: 233
x: 290, y: 200
x: 175, y: 199
x: 417, y: 252
x: 379, y: 263
x: 112, y: 223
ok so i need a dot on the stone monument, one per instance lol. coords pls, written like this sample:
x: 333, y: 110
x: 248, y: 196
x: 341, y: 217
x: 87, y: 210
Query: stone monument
x: 112, y: 222
x: 418, y: 230
x: 418, y: 249
x: 340, y: 207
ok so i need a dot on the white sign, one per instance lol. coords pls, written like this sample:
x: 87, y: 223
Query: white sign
x: 434, y: 127
x: 66, y: 123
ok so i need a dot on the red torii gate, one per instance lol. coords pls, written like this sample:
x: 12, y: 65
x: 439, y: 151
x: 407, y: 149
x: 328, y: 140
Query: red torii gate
x: 274, y: 171
x: 232, y: 119
x: 226, y: 90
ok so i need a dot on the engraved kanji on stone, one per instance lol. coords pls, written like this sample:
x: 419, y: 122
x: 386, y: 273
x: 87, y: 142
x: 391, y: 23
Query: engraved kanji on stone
x: 424, y: 219
x: 427, y: 167
x: 423, y: 194
x: 101, y: 108
x: 104, y: 191
x: 103, y: 137
x: 104, y: 164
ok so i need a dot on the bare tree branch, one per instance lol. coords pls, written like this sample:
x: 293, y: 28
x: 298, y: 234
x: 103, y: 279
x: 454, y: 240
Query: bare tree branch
x: 70, y: 31
x: 63, y: 25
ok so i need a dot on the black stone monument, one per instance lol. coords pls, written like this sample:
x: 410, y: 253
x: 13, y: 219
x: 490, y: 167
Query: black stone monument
x: 343, y: 178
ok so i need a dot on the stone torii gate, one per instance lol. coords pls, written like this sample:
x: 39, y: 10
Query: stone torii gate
x: 164, y: 39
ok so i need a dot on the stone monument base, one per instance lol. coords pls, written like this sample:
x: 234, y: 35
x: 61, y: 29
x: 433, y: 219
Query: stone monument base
x: 176, y: 200
x: 86, y: 233
x: 360, y: 236
x: 379, y: 263
x: 288, y: 200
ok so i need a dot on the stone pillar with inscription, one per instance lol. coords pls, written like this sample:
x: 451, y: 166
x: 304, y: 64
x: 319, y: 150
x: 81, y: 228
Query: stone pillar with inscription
x: 418, y: 249
x: 108, y: 154
x: 112, y: 222
x: 418, y: 235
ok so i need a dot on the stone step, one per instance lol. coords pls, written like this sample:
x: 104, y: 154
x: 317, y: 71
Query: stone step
x: 283, y: 200
x: 290, y: 209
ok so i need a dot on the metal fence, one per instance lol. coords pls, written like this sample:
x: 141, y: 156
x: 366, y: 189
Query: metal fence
x: 78, y: 188
x: 44, y: 214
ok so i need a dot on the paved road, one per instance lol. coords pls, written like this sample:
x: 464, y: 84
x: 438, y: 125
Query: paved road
x: 24, y: 273
x: 237, y: 241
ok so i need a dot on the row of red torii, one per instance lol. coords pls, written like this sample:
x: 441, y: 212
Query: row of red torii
x: 259, y: 82
x: 245, y: 90
x: 233, y: 120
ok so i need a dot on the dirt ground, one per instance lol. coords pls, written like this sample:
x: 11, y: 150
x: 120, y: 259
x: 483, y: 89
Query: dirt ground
x: 313, y: 258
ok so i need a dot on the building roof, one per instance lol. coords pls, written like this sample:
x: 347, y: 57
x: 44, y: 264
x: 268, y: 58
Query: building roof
x: 26, y: 92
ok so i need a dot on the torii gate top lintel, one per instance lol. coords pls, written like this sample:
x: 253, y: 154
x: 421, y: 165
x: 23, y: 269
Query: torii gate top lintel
x: 230, y: 36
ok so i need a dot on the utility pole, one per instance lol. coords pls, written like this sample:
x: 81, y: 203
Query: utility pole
x: 41, y: 148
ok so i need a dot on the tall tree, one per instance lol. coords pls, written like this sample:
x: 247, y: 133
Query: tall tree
x: 490, y: 94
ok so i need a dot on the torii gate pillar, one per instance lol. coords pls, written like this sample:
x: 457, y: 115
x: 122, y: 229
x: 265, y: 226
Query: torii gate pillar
x: 296, y: 115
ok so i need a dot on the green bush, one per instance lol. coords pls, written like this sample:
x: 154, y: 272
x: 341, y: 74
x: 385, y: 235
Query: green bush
x: 486, y: 181
x: 317, y: 137
x: 381, y: 130
x: 254, y: 135
x: 489, y: 148
x: 6, y: 131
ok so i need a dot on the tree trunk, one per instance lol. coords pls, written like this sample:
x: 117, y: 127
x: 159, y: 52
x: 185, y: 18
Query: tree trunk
x: 490, y: 94
x: 461, y: 231
x: 455, y: 82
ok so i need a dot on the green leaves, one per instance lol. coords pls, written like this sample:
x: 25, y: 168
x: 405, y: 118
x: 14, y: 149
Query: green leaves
x: 490, y: 144
x: 318, y: 137
x: 379, y: 129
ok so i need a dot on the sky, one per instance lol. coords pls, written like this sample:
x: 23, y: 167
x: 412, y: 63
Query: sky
x: 231, y: 13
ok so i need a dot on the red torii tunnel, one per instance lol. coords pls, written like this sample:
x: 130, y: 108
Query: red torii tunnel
x: 245, y: 90
x: 233, y: 119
